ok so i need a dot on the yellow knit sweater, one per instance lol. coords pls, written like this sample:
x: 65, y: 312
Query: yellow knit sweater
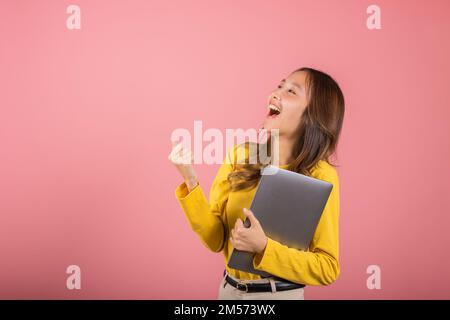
x: 213, y: 220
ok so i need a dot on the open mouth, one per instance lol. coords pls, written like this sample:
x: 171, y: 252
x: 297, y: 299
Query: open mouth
x: 273, y: 111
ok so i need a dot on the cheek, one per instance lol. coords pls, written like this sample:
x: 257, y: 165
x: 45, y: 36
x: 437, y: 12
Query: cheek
x: 293, y: 114
x: 292, y: 117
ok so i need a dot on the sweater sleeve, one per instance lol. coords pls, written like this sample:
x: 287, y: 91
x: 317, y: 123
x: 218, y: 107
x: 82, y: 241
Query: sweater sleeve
x: 320, y: 264
x: 206, y: 218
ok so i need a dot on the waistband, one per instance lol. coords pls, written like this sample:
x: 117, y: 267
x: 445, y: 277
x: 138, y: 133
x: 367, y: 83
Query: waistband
x: 249, y: 286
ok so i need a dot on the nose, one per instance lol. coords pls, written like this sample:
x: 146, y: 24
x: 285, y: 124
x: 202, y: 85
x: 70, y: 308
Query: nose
x: 275, y: 96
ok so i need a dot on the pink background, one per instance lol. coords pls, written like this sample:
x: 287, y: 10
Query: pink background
x: 86, y: 117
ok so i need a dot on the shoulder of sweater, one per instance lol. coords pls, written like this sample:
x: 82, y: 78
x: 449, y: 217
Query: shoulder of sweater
x: 325, y: 171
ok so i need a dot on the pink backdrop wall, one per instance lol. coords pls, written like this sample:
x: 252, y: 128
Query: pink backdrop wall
x: 86, y: 117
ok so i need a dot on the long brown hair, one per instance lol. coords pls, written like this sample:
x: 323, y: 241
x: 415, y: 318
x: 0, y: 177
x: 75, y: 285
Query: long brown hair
x: 318, y: 132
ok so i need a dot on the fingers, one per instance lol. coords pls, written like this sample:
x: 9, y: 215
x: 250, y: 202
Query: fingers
x: 176, y: 149
x: 175, y: 143
x: 239, y: 224
x: 235, y: 240
x: 250, y: 216
x: 186, y: 156
x: 183, y: 156
x: 175, y: 155
x: 179, y: 154
x: 236, y: 228
x: 232, y: 240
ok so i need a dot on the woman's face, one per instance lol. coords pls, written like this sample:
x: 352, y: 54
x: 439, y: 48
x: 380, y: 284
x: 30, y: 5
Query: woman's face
x: 289, y: 100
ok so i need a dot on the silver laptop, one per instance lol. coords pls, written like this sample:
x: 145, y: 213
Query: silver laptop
x: 289, y: 206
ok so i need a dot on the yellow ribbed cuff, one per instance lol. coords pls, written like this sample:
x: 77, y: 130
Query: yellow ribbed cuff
x: 182, y: 191
x: 261, y: 259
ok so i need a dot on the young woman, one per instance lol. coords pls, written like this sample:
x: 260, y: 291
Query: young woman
x: 308, y: 110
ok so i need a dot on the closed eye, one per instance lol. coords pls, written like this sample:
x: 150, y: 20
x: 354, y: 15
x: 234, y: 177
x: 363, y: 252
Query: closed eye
x: 290, y: 90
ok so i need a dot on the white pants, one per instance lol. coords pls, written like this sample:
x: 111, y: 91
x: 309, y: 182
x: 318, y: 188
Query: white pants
x: 228, y: 292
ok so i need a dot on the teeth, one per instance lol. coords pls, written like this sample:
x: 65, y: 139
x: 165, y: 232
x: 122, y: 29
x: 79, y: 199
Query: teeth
x: 271, y: 106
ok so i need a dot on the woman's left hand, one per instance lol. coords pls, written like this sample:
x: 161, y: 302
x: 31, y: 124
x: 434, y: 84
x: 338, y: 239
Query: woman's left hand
x: 252, y: 239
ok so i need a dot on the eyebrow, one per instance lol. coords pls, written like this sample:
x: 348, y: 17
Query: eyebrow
x: 294, y: 84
